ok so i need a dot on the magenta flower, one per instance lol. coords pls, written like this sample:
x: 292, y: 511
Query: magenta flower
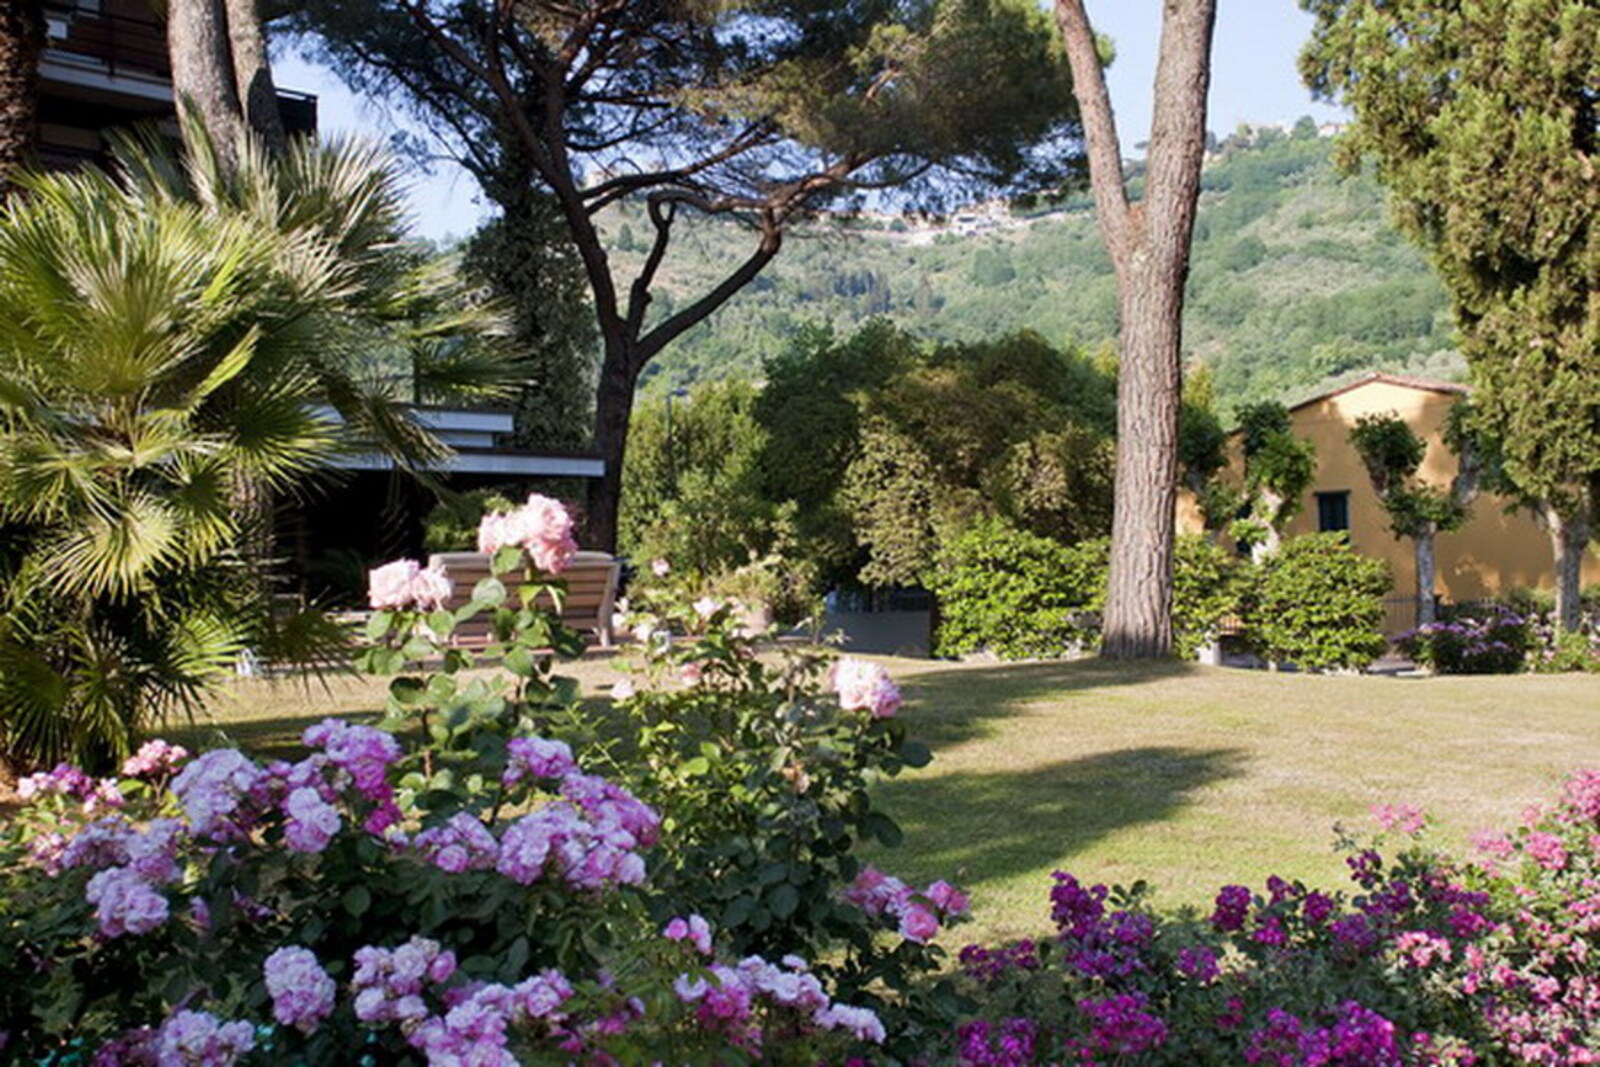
x: 693, y: 929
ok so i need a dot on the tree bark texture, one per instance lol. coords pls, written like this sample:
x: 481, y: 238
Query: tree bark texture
x: 1570, y: 532
x: 1422, y: 547
x: 1149, y: 247
x: 202, y: 69
x: 256, y: 93
x: 22, y: 39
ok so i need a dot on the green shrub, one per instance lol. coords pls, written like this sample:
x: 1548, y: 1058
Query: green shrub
x: 1206, y: 582
x: 1319, y: 604
x: 452, y: 524
x: 1016, y: 594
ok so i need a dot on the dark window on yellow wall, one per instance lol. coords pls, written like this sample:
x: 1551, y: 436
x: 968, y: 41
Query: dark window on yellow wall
x: 1333, y: 511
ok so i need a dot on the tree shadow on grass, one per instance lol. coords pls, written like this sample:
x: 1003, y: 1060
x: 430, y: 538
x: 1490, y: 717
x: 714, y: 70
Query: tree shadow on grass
x: 991, y: 825
x: 952, y: 706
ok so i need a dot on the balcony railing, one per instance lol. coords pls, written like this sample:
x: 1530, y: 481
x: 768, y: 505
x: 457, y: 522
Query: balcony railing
x: 119, y: 44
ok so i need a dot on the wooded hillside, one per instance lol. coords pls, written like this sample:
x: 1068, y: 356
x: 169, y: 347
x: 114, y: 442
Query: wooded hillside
x: 1298, y: 277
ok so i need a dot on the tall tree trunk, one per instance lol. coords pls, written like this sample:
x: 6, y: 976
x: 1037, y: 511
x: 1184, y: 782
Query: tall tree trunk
x: 257, y: 95
x: 1570, y: 532
x: 613, y: 409
x: 1149, y: 247
x: 22, y: 39
x: 1422, y: 548
x: 203, y: 71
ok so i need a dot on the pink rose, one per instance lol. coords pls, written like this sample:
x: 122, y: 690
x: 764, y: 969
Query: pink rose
x: 389, y: 586
x: 918, y: 923
x: 660, y: 568
x: 431, y: 588
x: 948, y: 898
x: 865, y: 686
x: 541, y: 527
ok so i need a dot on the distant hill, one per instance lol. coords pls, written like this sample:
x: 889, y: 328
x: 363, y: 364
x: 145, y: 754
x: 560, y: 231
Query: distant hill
x: 1298, y: 277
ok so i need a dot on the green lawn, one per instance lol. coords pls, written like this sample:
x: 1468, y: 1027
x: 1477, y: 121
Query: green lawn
x: 1188, y: 777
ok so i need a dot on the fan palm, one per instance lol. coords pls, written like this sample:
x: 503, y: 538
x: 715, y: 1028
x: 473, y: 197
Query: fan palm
x: 175, y: 344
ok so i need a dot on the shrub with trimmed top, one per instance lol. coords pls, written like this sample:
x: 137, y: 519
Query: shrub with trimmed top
x: 1318, y: 604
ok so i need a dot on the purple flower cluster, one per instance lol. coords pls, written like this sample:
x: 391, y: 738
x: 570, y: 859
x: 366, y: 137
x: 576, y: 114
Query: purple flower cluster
x: 1010, y: 1043
x: 693, y: 929
x: 71, y: 783
x: 592, y: 836
x: 1094, y: 942
x: 388, y: 983
x: 124, y: 903
x: 1120, y: 1025
x: 302, y: 992
x: 473, y: 1028
x: 537, y: 758
x: 726, y: 1000
x: 221, y: 793
x: 154, y: 759
x: 198, y: 1039
x: 918, y: 916
x: 131, y: 865
x: 1358, y: 1037
x: 462, y: 843
x: 1495, y: 643
x: 361, y: 756
x: 991, y: 965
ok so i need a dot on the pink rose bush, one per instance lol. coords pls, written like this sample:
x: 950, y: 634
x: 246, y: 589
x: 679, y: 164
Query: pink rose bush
x: 405, y: 584
x: 270, y: 868
x: 542, y: 528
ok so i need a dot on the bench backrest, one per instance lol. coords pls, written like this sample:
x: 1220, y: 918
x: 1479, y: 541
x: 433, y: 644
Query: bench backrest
x: 591, y: 582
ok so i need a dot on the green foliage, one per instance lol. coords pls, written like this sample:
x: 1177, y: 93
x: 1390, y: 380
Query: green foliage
x: 1015, y: 594
x: 765, y: 787
x: 1207, y: 588
x: 813, y: 425
x: 897, y: 507
x: 172, y: 341
x: 1318, y: 604
x: 693, y: 492
x: 1278, y: 469
x: 1480, y: 120
x: 1392, y: 453
x: 452, y: 524
x: 523, y: 258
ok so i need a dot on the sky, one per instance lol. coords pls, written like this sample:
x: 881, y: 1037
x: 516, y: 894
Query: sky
x: 1253, y: 80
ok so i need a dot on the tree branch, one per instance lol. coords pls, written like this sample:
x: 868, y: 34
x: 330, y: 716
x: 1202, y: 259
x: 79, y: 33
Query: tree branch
x: 1100, y: 130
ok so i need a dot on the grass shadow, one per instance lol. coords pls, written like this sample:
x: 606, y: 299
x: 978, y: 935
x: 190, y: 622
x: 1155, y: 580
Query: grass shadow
x: 956, y: 705
x: 976, y: 827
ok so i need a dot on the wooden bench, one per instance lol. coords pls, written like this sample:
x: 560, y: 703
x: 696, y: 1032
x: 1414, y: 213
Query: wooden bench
x: 591, y: 583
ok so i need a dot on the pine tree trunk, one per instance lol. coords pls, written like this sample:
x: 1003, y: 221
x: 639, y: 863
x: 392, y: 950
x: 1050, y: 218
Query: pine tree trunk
x: 1422, y: 545
x: 202, y: 69
x: 1138, y: 619
x: 1149, y: 247
x: 253, y: 74
x: 22, y: 39
x: 613, y: 408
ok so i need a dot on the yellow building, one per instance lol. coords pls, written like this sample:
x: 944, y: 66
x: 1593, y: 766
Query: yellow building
x: 1496, y: 551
